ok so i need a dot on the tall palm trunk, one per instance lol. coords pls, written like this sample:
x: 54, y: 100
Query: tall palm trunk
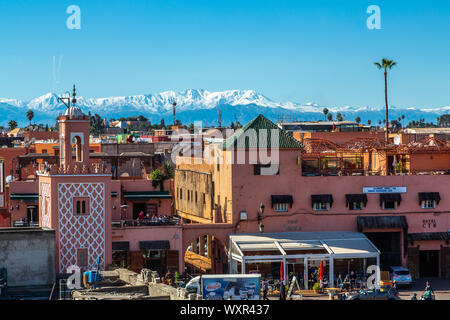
x: 386, y: 98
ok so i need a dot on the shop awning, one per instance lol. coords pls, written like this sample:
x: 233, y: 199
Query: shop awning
x: 154, y: 245
x: 288, y: 244
x: 146, y: 195
x: 322, y: 198
x: 26, y: 197
x: 433, y: 196
x: 386, y: 197
x: 356, y: 198
x: 429, y: 236
x: 121, y: 246
x: 282, y: 199
x: 384, y: 222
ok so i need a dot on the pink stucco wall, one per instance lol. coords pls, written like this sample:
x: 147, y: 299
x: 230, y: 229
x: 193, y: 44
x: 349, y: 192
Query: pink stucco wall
x: 250, y: 190
x: 174, y: 234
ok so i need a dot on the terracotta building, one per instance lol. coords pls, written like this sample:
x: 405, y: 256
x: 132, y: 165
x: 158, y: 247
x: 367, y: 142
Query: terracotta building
x: 405, y: 216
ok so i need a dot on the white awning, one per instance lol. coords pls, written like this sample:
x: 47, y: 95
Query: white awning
x: 333, y: 244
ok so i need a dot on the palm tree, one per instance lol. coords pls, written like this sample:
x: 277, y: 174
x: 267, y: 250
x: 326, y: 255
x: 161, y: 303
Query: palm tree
x: 158, y: 176
x: 30, y: 115
x: 339, y: 116
x: 369, y: 122
x: 12, y: 124
x: 330, y: 117
x: 358, y: 120
x: 386, y: 64
x: 325, y: 112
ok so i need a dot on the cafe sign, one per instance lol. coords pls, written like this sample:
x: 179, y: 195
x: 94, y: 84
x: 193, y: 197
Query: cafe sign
x: 384, y: 189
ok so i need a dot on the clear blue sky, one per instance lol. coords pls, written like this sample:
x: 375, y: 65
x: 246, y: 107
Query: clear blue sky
x: 300, y: 51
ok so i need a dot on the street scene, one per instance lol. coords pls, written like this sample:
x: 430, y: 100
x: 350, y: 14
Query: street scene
x: 157, y: 168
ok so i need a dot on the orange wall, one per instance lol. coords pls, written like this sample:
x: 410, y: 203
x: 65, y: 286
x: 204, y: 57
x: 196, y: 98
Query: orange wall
x: 430, y: 161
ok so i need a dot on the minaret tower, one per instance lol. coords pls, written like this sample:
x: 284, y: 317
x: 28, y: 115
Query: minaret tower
x: 75, y: 196
x: 74, y: 133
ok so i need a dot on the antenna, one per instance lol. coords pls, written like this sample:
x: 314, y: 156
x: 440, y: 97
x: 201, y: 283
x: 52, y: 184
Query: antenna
x: 174, y: 107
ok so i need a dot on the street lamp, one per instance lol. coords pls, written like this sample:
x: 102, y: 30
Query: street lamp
x: 260, y: 217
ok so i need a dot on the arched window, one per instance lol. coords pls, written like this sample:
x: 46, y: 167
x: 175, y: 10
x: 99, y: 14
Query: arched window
x: 78, y: 149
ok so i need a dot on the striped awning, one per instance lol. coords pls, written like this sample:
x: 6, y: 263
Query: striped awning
x: 26, y: 197
x: 386, y: 197
x: 154, y: 245
x: 121, y: 246
x: 146, y: 195
x: 322, y: 198
x: 282, y: 199
x: 356, y: 198
x: 429, y: 236
x: 433, y: 196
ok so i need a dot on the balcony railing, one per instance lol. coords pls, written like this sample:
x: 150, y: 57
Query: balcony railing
x: 147, y: 222
x: 21, y: 224
x: 361, y: 172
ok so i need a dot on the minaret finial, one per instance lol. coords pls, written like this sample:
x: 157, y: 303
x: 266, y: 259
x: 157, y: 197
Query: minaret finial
x: 74, y: 100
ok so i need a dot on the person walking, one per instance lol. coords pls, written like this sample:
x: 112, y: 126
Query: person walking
x: 265, y: 290
x: 282, y: 291
x: 414, y: 296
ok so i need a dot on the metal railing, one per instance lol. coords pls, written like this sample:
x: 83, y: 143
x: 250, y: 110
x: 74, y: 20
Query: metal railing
x: 361, y: 172
x: 147, y: 222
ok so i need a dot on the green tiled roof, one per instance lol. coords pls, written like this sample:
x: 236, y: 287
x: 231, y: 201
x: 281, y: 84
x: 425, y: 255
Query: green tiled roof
x: 244, y: 138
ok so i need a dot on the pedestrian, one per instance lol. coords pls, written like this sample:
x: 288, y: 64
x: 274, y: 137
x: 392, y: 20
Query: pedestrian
x: 414, y: 296
x: 265, y: 290
x: 428, y: 287
x: 282, y: 291
x: 340, y: 282
x: 140, y: 217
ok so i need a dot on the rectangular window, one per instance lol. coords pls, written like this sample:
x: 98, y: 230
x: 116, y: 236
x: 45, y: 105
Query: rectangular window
x: 281, y: 207
x: 82, y: 258
x: 181, y: 193
x: 321, y: 206
x: 44, y: 150
x: 389, y: 205
x: 204, y: 198
x: 263, y: 169
x: 195, y: 196
x: 428, y: 204
x: 355, y: 205
x: 81, y: 205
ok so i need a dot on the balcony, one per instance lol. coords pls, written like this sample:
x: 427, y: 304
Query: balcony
x: 93, y: 168
x: 147, y: 222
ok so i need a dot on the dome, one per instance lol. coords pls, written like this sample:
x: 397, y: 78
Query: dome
x: 74, y: 112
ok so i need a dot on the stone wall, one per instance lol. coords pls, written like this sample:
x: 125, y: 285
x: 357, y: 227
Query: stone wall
x: 28, y: 255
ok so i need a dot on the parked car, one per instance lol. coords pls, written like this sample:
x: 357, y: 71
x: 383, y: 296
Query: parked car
x: 401, y: 275
x: 384, y: 293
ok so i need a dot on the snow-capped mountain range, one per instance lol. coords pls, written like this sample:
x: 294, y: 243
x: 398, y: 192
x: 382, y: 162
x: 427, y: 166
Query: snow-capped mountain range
x: 201, y: 105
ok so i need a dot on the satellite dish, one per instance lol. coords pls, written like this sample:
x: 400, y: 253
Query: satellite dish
x: 397, y: 140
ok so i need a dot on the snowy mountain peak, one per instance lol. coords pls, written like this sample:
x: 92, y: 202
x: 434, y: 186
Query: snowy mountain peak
x: 201, y: 104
